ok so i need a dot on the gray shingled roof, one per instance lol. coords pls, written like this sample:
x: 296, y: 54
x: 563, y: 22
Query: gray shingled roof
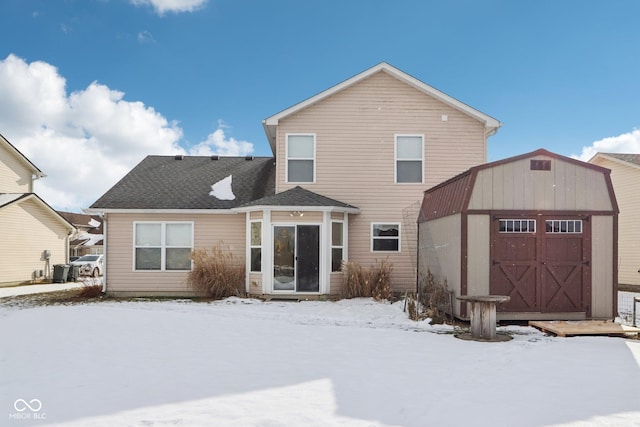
x: 630, y: 158
x: 163, y: 182
x: 298, y: 196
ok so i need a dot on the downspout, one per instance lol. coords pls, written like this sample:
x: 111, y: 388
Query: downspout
x: 104, y: 253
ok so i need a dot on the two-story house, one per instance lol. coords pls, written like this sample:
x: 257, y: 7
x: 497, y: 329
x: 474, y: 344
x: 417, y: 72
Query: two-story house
x: 34, y: 237
x: 349, y: 169
x: 625, y: 175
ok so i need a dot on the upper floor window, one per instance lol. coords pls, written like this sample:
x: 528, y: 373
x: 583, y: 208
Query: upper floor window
x: 163, y: 245
x: 409, y: 158
x: 301, y: 153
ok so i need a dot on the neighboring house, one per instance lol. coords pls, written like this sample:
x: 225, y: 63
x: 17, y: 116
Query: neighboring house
x: 34, y: 237
x: 87, y: 240
x: 625, y: 175
x: 349, y: 169
x: 540, y: 228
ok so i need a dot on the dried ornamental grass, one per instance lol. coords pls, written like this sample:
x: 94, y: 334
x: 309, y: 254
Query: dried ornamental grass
x: 216, y: 274
x: 372, y: 282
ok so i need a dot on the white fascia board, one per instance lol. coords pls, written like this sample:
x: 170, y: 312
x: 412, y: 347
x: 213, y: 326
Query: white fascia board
x: 99, y: 211
x: 298, y: 209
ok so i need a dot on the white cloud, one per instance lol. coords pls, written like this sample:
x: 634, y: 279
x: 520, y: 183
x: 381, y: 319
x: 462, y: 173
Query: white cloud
x: 175, y: 6
x: 626, y: 143
x: 146, y: 37
x: 87, y: 140
x: 218, y: 143
x: 84, y: 142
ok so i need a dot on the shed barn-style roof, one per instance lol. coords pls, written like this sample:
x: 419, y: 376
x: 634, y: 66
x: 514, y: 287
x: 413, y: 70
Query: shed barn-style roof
x: 184, y: 182
x: 454, y: 195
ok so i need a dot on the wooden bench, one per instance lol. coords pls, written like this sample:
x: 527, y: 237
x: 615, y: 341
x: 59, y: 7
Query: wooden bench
x: 483, y: 315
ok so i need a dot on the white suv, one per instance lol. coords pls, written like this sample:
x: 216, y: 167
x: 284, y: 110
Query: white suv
x: 90, y: 265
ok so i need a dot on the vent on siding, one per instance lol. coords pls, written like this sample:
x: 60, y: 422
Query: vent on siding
x: 540, y: 165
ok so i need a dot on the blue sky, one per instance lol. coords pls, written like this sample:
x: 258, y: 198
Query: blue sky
x: 89, y: 87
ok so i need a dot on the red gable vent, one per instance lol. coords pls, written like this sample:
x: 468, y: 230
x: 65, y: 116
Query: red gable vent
x: 540, y: 165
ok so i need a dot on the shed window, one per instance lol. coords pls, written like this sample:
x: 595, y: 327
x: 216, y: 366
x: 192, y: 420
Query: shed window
x: 517, y: 225
x: 564, y: 226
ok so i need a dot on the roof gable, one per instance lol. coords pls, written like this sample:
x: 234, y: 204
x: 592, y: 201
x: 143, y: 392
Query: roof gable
x: 454, y: 195
x: 21, y: 157
x: 184, y: 182
x: 8, y: 199
x: 629, y: 159
x: 270, y: 123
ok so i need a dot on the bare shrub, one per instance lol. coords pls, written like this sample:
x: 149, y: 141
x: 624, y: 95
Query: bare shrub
x: 372, y: 282
x: 216, y: 274
x: 433, y: 298
x: 90, y: 291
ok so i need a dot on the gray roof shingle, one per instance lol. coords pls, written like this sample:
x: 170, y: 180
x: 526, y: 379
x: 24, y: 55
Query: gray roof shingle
x: 630, y: 158
x: 165, y: 182
x: 298, y: 196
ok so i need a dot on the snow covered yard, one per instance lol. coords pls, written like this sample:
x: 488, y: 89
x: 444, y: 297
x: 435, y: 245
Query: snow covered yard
x: 247, y: 363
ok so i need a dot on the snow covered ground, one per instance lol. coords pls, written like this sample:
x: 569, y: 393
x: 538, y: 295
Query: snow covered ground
x: 250, y: 363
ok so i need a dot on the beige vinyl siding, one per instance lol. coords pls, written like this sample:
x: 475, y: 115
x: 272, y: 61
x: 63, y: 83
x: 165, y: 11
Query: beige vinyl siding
x: 602, y: 267
x: 286, y: 217
x: 567, y: 186
x: 626, y: 180
x: 209, y: 231
x: 355, y: 158
x: 440, y: 251
x: 15, y: 176
x: 27, y: 230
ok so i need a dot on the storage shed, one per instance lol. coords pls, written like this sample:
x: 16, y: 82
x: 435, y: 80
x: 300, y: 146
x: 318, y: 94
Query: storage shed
x: 539, y: 227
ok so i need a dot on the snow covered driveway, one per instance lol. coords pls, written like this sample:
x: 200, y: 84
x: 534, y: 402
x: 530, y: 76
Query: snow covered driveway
x: 249, y: 363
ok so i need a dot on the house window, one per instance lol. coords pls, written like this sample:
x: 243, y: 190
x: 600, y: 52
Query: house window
x: 337, y: 245
x: 256, y: 246
x: 301, y: 152
x: 385, y: 237
x: 163, y: 245
x: 564, y: 226
x: 409, y: 158
x: 517, y: 226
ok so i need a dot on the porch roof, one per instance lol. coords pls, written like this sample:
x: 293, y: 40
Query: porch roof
x: 298, y: 198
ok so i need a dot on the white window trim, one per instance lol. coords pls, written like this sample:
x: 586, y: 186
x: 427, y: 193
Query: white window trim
x: 163, y: 246
x: 336, y: 246
x: 258, y: 246
x: 372, y: 237
x: 286, y: 163
x: 396, y: 158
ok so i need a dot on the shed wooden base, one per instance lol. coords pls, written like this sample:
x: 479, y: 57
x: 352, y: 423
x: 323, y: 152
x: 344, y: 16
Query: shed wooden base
x: 585, y: 327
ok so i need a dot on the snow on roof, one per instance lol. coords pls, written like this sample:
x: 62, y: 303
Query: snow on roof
x: 221, y: 190
x: 94, y: 223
